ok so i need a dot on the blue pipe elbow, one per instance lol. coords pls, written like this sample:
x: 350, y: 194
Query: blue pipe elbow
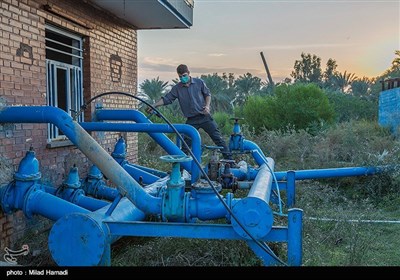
x: 146, y: 127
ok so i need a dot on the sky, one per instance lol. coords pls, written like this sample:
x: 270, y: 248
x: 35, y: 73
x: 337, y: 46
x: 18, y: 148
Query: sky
x: 228, y: 36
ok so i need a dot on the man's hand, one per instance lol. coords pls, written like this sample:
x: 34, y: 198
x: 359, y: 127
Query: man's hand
x: 206, y: 110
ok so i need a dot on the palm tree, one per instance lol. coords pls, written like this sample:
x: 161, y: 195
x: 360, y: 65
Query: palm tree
x: 396, y: 61
x: 361, y: 87
x: 221, y: 93
x: 153, y: 88
x: 342, y: 81
x: 247, y: 85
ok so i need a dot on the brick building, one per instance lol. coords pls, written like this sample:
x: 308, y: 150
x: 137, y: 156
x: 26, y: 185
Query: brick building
x: 60, y: 53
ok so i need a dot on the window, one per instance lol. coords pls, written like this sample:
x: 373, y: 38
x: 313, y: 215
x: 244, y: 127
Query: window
x: 64, y: 74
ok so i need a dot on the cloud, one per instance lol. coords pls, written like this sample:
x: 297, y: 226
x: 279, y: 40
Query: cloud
x: 158, y: 64
x: 299, y: 47
x: 216, y: 54
x: 152, y: 67
x: 220, y: 70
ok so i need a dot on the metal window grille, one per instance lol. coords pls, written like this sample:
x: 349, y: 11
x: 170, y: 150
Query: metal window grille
x: 63, y: 74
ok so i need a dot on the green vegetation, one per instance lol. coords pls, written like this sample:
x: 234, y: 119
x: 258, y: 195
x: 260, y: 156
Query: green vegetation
x: 297, y: 105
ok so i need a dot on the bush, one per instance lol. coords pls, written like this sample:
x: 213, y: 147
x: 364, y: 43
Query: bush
x: 348, y: 107
x: 257, y: 112
x: 224, y: 122
x: 298, y: 106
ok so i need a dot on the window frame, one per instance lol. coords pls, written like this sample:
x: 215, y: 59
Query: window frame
x: 73, y: 80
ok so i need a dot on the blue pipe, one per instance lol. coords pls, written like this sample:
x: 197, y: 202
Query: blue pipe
x: 77, y: 196
x: 254, y: 211
x: 331, y: 172
x: 50, y: 206
x: 138, y: 117
x: 142, y: 176
x: 99, y: 189
x: 207, y: 206
x: 150, y: 127
x: 139, y: 174
x: 50, y: 190
x: 312, y: 173
x: 71, y: 191
x: 126, y: 185
x: 94, y: 185
x: 257, y: 153
x: 31, y: 198
x: 158, y: 173
x: 84, y: 239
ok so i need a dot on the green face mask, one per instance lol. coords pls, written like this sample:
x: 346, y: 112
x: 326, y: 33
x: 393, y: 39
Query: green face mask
x: 184, y: 79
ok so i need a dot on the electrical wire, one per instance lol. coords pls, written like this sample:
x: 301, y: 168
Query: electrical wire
x: 277, y: 193
x: 262, y: 245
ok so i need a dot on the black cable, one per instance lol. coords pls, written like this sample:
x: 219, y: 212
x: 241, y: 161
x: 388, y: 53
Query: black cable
x: 263, y: 246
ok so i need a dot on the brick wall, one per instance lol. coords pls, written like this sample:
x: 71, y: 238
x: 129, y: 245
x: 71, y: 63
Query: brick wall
x: 110, y: 64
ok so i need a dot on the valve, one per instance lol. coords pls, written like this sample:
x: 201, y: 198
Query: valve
x: 173, y: 198
x: 236, y: 140
x: 213, y: 165
x: 236, y: 126
x: 119, y: 152
x: 175, y: 176
x: 227, y: 179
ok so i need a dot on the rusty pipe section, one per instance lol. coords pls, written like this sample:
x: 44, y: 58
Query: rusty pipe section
x: 126, y: 185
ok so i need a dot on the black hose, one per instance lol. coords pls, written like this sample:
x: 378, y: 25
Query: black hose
x: 263, y: 246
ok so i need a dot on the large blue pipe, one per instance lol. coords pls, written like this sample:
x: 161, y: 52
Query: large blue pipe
x: 50, y: 206
x: 30, y: 197
x: 84, y: 240
x: 126, y: 185
x: 150, y: 127
x: 254, y: 211
x: 138, y: 117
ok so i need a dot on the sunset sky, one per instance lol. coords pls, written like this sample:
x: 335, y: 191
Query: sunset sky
x: 228, y: 36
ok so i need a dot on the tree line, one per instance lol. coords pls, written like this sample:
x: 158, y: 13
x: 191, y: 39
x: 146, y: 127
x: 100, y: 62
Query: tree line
x: 310, y: 97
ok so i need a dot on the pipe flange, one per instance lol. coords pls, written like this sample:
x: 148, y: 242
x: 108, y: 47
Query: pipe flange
x: 77, y: 240
x: 27, y: 177
x: 188, y: 216
x: 254, y: 214
x: 76, y: 195
x: 5, y: 193
x: 28, y: 198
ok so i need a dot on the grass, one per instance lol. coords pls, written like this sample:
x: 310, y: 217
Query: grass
x: 182, y: 252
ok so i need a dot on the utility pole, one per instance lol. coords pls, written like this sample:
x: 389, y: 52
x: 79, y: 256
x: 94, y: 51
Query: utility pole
x: 271, y: 82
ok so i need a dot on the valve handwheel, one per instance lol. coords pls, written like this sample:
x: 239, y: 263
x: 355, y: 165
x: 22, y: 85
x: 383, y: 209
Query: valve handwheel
x: 176, y: 158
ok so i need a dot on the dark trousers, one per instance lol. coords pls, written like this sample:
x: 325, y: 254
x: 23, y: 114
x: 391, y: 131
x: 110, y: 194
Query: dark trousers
x: 207, y: 123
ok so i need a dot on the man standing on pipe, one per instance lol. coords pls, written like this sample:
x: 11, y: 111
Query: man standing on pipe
x: 194, y: 100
